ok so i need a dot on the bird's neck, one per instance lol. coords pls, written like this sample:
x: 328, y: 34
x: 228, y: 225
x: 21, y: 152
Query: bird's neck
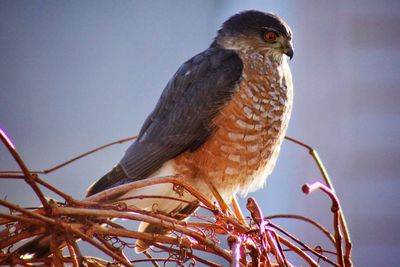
x: 268, y: 55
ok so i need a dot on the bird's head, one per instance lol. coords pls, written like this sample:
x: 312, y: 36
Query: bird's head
x: 264, y: 32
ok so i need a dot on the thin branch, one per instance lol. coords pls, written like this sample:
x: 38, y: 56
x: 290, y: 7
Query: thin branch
x: 156, y: 239
x: 28, y: 177
x: 54, y: 244
x: 305, y: 219
x: 204, y: 261
x: 148, y: 219
x: 12, y: 217
x: 88, y: 239
x: 72, y: 253
x: 76, y: 250
x: 235, y: 244
x: 65, y: 226
x: 275, y: 249
x: 307, y: 189
x: 154, y: 260
x: 328, y: 181
x: 279, y: 247
x: 298, y: 241
x: 150, y: 258
x: 26, y: 212
x: 46, y: 171
x: 298, y: 251
x: 40, y: 181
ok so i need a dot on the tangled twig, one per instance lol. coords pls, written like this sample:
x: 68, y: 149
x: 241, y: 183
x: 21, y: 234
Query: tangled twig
x: 94, y: 220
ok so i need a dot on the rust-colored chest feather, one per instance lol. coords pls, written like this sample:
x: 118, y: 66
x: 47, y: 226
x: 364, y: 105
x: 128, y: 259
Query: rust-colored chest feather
x: 250, y: 129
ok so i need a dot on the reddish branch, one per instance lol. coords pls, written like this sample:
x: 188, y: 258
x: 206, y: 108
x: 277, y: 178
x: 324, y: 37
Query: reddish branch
x: 305, y: 219
x: 328, y: 181
x: 27, y: 174
x: 307, y: 189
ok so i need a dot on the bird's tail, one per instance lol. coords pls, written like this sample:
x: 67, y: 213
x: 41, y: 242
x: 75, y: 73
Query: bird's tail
x: 143, y: 245
x: 38, y: 247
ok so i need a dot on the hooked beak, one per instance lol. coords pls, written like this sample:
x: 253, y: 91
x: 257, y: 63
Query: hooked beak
x: 288, y: 50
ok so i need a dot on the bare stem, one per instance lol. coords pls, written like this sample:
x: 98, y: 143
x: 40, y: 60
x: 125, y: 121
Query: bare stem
x: 49, y: 170
x: 28, y: 177
x: 307, y: 189
x: 148, y: 219
x: 305, y: 219
x: 298, y: 251
x: 319, y: 255
x: 328, y: 181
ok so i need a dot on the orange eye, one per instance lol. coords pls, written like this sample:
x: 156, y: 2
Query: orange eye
x: 270, y: 36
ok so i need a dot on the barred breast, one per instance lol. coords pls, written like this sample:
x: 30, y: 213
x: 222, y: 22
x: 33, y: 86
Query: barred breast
x: 250, y: 129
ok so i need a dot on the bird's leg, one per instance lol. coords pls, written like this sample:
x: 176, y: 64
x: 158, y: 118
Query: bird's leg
x: 221, y: 202
x: 238, y: 211
x: 224, y: 206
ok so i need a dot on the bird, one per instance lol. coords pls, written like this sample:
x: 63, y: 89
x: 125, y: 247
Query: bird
x: 220, y: 120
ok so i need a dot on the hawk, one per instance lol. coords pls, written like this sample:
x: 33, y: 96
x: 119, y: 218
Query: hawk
x: 221, y: 119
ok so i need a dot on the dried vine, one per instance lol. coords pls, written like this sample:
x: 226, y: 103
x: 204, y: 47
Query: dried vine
x: 69, y: 222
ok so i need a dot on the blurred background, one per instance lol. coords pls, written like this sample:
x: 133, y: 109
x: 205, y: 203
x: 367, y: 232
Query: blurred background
x: 78, y: 74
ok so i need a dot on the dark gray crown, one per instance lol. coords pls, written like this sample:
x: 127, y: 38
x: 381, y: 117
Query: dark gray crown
x: 248, y: 22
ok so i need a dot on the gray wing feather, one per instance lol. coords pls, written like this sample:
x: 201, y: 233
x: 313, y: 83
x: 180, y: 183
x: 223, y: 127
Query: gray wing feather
x: 182, y: 118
